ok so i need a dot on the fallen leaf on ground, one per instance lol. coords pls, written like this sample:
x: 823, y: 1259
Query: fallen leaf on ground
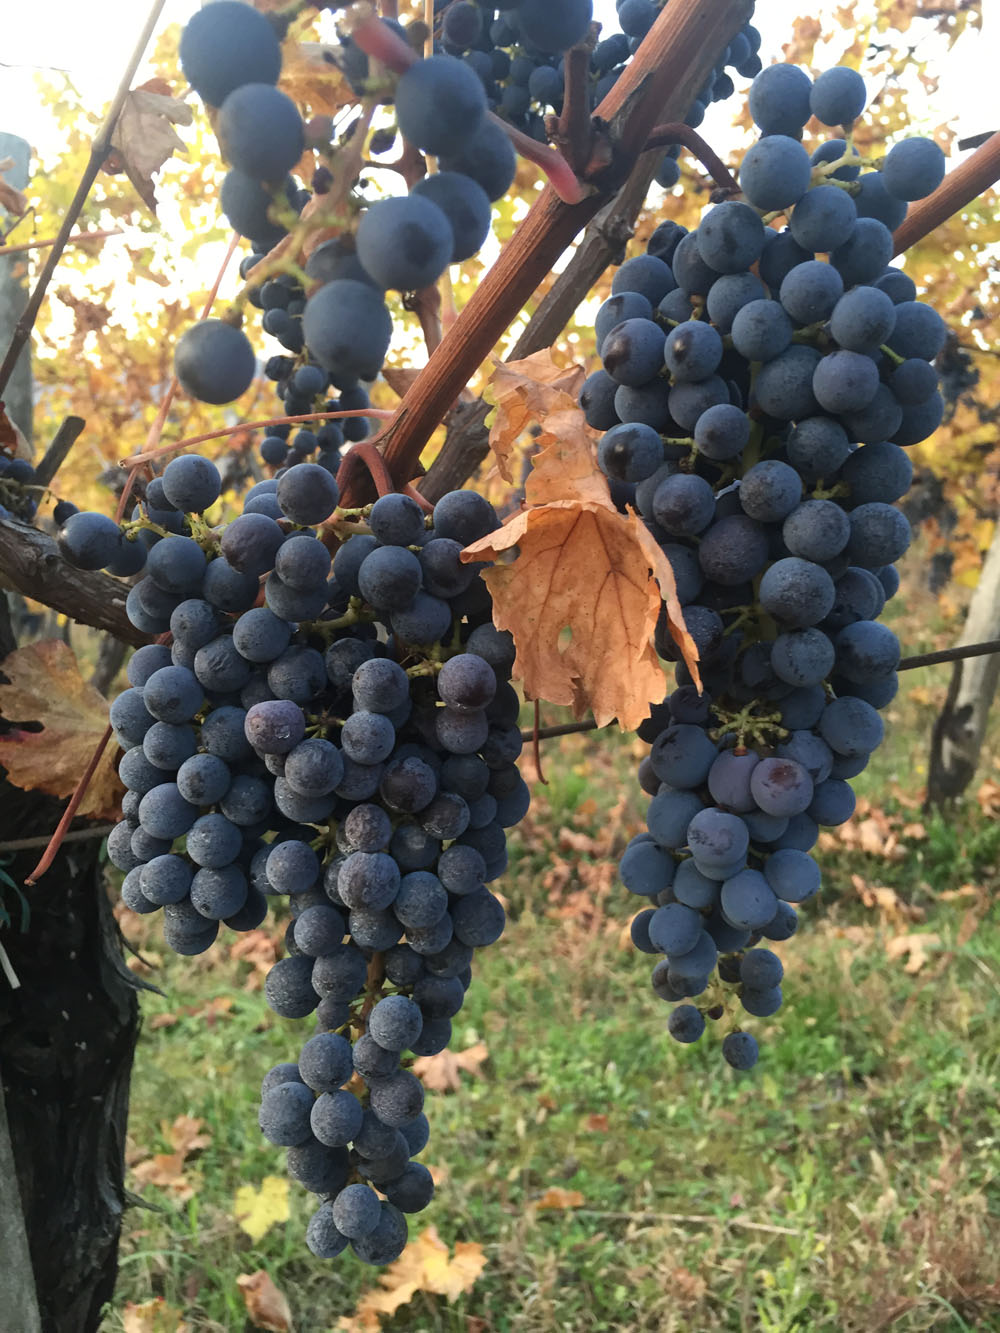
x: 45, y: 686
x: 185, y: 1134
x: 583, y: 595
x: 258, y: 1210
x: 919, y: 948
x: 166, y: 1170
x: 154, y: 1316
x: 441, y: 1072
x: 425, y: 1265
x: 558, y: 1198
x: 266, y: 1305
x: 256, y: 947
x: 220, y: 1006
x: 523, y: 393
x: 145, y: 138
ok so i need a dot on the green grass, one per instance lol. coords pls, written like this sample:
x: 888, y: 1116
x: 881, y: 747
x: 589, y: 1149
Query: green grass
x: 848, y: 1185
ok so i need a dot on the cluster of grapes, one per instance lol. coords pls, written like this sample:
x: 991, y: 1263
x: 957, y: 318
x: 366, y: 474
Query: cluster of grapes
x: 339, y: 336
x: 756, y: 402
x: 350, y: 743
x: 517, y: 55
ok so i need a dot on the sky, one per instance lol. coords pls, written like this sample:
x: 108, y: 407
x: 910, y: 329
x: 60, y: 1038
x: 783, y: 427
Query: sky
x: 91, y: 44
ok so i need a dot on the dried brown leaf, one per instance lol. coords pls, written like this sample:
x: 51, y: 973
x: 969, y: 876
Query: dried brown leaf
x: 266, y: 1304
x: 45, y: 685
x: 525, y: 393
x: 583, y: 596
x: 441, y: 1072
x: 185, y: 1135
x: 145, y: 138
x: 583, y: 569
x: 399, y: 379
x: 918, y: 948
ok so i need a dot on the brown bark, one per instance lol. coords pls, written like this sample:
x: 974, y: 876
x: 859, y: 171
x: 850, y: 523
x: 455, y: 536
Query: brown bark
x: 31, y: 564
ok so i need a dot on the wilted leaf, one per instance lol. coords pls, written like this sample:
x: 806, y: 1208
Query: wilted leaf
x: 583, y: 596
x: 45, y: 685
x: 918, y: 947
x: 581, y: 569
x: 166, y: 1170
x: 525, y: 392
x: 312, y: 78
x: 441, y: 1072
x: 185, y: 1135
x: 557, y: 1198
x: 13, y: 440
x: 258, y: 1210
x: 266, y: 1305
x: 10, y: 198
x: 145, y: 136
x: 399, y: 379
x: 425, y: 1265
x: 154, y: 1316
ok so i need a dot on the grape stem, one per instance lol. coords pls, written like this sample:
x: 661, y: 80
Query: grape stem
x: 378, y: 40
x: 156, y: 429
x: 421, y: 500
x: 99, y: 150
x: 560, y: 174
x: 677, y: 132
x: 81, y: 238
x: 55, y: 842
x: 956, y: 654
x: 382, y: 413
x: 574, y: 131
x: 366, y: 453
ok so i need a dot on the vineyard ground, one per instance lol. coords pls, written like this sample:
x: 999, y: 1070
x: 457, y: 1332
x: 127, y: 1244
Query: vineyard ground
x: 859, y: 1161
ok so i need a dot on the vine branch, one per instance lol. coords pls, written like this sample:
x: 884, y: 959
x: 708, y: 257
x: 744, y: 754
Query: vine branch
x: 81, y: 238
x: 667, y: 70
x: 958, y: 189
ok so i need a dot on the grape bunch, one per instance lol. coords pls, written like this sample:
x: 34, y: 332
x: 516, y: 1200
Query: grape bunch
x: 350, y: 743
x: 335, y: 333
x: 517, y: 53
x: 758, y: 391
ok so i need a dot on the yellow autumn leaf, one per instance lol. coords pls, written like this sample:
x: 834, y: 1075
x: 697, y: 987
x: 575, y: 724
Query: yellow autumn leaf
x: 258, y: 1210
x: 43, y: 685
x: 557, y: 1198
x: 425, y: 1265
